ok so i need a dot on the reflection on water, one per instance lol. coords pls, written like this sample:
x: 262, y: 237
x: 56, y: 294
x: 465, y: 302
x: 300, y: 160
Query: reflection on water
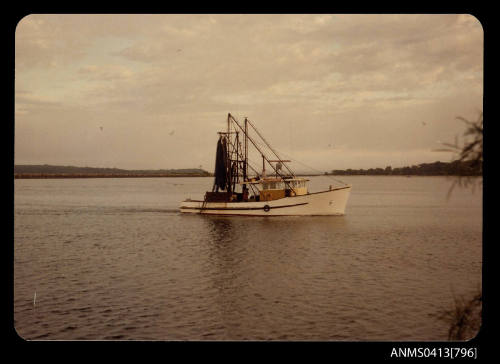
x: 254, y: 263
x: 220, y: 228
x: 114, y: 259
x: 226, y: 259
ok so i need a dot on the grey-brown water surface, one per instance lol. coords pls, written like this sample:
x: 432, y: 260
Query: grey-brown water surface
x: 113, y: 259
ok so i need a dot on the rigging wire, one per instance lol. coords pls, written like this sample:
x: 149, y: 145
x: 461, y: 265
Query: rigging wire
x: 275, y: 151
x: 255, y: 145
x: 305, y: 165
x: 269, y: 146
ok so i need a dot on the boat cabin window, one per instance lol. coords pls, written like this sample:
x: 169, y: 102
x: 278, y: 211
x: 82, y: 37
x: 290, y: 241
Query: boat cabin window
x: 281, y: 185
x: 298, y: 184
x: 273, y: 186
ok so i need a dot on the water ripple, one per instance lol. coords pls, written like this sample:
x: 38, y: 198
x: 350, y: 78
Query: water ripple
x: 114, y: 260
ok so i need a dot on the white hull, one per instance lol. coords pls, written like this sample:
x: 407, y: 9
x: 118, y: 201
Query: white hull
x: 331, y: 202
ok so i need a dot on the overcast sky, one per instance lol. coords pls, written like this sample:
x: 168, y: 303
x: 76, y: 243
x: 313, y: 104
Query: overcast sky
x: 331, y: 91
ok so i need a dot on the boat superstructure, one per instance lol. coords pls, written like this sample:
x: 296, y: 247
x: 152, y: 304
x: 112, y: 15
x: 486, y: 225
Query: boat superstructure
x: 237, y: 192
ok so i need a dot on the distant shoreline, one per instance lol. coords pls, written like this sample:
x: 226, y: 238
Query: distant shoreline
x: 36, y: 171
x: 100, y: 175
x: 455, y: 168
x: 73, y: 176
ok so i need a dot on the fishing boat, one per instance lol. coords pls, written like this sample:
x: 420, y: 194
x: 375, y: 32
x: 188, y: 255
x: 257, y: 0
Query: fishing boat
x: 281, y: 193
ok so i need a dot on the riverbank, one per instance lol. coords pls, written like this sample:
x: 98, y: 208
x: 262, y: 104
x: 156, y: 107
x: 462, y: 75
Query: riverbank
x: 51, y: 171
x: 103, y: 175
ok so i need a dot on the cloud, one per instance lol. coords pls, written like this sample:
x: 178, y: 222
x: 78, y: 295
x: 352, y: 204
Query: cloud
x: 105, y: 73
x: 365, y: 80
x: 26, y: 102
x: 43, y: 42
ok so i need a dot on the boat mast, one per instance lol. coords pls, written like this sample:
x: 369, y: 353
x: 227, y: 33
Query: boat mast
x: 236, y: 163
x: 228, y: 156
x: 245, y: 143
x: 233, y: 156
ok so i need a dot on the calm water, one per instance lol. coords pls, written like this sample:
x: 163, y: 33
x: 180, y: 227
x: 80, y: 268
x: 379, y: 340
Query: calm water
x: 113, y: 259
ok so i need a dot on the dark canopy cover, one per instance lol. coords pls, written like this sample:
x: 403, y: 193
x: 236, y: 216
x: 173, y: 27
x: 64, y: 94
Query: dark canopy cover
x: 221, y: 166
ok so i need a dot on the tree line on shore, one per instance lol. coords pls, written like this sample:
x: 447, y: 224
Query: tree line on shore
x: 49, y: 171
x: 455, y: 168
